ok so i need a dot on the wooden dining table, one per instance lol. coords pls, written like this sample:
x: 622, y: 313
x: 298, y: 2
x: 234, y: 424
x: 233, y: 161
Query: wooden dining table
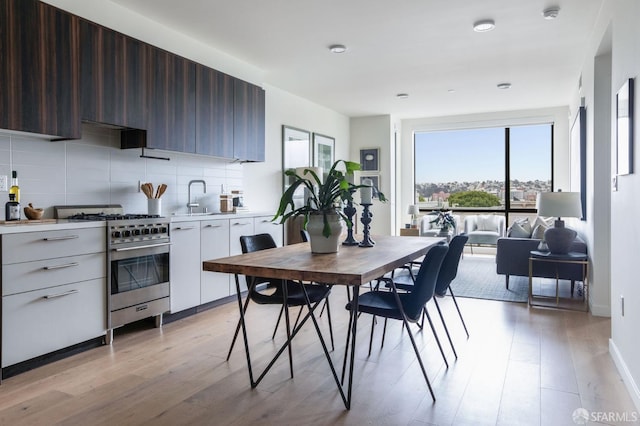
x: 351, y: 266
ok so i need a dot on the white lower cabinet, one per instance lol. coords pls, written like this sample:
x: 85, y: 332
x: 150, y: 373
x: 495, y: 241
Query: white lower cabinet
x: 214, y: 243
x: 185, y: 265
x: 42, y: 321
x: 53, y: 291
x: 193, y: 242
x: 237, y: 228
x: 264, y: 225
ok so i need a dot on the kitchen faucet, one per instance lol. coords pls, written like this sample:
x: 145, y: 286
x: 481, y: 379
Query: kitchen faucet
x: 191, y: 205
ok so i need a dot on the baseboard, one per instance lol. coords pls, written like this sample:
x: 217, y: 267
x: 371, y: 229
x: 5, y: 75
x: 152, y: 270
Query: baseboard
x: 600, y: 310
x: 632, y: 386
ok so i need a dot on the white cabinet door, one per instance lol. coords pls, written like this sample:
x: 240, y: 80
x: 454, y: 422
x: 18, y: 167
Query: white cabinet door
x: 264, y: 225
x: 237, y: 228
x: 185, y: 265
x: 214, y: 243
x: 42, y: 321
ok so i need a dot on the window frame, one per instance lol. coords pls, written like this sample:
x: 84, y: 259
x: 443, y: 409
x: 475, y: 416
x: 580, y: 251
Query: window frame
x: 507, y: 210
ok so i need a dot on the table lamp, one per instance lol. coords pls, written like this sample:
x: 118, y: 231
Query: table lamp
x: 413, y: 210
x: 559, y: 204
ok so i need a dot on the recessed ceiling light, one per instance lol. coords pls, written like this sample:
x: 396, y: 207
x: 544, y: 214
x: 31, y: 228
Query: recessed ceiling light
x: 551, y: 12
x: 504, y: 86
x: 402, y: 95
x: 484, y: 25
x: 338, y: 48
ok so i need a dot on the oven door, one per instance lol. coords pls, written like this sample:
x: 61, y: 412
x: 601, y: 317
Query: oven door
x: 139, y: 274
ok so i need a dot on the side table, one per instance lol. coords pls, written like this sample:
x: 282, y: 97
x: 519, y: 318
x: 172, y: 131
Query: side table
x: 559, y: 259
x: 409, y: 232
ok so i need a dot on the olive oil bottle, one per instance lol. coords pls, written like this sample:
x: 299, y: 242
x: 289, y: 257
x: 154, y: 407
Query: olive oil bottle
x: 15, y: 189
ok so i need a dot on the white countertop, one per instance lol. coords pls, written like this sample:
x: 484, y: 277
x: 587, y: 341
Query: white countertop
x: 60, y: 224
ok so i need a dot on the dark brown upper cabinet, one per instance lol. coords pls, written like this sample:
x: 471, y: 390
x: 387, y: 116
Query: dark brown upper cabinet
x: 171, y: 102
x: 214, y: 112
x: 112, y: 77
x: 39, y: 69
x: 248, y: 121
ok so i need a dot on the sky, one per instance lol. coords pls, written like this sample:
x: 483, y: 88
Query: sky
x: 478, y: 154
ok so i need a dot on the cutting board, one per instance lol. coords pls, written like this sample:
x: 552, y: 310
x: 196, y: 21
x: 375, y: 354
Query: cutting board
x: 27, y: 222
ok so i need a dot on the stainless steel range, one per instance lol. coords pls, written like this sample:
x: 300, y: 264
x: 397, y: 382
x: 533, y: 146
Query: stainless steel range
x: 137, y: 262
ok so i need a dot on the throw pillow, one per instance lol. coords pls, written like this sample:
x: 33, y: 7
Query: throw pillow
x: 538, y: 231
x: 487, y: 222
x: 518, y: 231
x: 524, y: 223
x: 541, y: 221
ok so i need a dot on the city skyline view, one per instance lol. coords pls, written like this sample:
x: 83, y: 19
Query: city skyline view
x: 474, y: 160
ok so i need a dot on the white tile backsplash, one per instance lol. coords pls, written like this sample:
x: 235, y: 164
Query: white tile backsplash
x: 94, y: 170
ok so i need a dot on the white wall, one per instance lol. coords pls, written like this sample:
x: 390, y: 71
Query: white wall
x: 625, y: 203
x: 377, y: 132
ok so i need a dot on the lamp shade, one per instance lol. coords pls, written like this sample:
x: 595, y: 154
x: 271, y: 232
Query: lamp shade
x: 412, y: 209
x: 559, y: 204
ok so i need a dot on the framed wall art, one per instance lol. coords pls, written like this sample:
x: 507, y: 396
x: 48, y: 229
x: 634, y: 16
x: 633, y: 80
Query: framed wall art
x: 296, y: 152
x: 624, y: 128
x: 323, y: 151
x: 578, y: 163
x: 369, y: 159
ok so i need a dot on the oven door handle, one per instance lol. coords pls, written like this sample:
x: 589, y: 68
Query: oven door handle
x: 141, y: 247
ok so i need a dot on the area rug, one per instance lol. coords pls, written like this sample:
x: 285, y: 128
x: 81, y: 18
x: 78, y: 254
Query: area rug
x: 477, y: 279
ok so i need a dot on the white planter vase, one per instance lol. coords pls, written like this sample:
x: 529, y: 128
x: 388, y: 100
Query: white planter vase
x: 319, y: 243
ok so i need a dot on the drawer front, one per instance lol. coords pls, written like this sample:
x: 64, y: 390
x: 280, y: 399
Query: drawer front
x: 214, y: 243
x: 29, y: 276
x: 29, y: 246
x: 43, y: 321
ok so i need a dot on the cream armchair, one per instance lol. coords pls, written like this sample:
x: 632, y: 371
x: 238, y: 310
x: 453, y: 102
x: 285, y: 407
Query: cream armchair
x: 484, y: 229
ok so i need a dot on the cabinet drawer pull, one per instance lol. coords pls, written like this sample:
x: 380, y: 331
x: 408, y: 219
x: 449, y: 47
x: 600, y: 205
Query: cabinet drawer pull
x: 183, y: 228
x: 66, y: 293
x: 66, y: 265
x: 213, y: 226
x: 63, y: 237
x: 241, y: 223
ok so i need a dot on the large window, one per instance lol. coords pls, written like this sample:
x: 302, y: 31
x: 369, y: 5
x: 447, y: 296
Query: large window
x: 488, y: 169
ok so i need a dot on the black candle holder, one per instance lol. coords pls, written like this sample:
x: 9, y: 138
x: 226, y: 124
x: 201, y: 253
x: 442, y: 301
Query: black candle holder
x: 350, y: 211
x: 366, y: 220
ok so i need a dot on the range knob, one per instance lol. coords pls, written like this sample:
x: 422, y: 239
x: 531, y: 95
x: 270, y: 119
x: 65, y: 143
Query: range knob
x: 126, y: 233
x: 146, y: 231
x: 136, y: 232
x: 164, y: 230
x: 154, y: 230
x: 116, y: 234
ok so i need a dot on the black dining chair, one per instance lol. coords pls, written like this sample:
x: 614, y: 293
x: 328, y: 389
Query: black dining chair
x: 406, y: 307
x: 295, y: 295
x: 448, y: 272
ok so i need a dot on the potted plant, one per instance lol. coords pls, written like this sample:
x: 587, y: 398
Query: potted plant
x: 445, y: 221
x: 322, y: 209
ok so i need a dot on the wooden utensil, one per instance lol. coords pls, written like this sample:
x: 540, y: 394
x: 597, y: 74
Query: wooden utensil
x: 147, y: 189
x: 161, y: 188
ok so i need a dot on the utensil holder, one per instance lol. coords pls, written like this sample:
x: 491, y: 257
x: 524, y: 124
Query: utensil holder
x: 154, y: 206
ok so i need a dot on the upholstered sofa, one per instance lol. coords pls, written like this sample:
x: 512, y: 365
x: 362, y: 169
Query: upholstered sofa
x: 512, y: 258
x: 484, y: 229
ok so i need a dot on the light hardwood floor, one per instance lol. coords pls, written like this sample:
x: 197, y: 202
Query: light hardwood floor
x: 520, y: 366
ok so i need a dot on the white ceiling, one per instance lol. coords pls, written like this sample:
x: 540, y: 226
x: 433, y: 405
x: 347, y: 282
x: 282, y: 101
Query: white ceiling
x: 420, y: 47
